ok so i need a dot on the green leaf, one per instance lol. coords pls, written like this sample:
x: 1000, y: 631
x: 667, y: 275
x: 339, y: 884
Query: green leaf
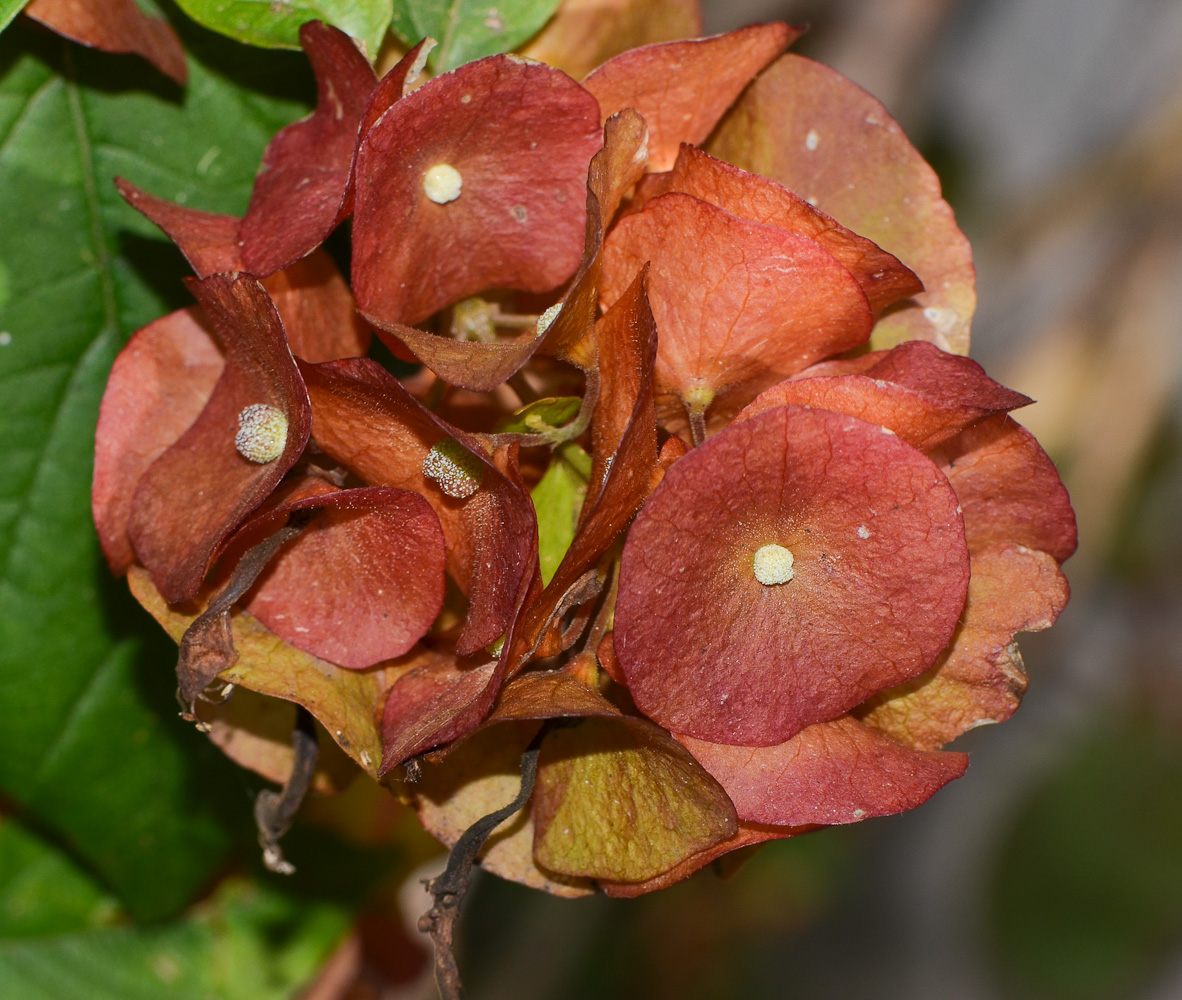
x: 247, y: 943
x: 540, y: 416
x: 43, y: 892
x: 275, y: 24
x: 8, y: 10
x: 469, y: 29
x: 89, y: 743
x: 558, y: 498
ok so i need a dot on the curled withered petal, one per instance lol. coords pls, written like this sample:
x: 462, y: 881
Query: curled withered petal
x: 115, y: 26
x: 300, y: 194
x: 158, y: 386
x: 366, y: 420
x: 882, y: 277
x: 923, y: 394
x: 739, y: 305
x: 208, y: 240
x: 683, y: 88
x: 201, y: 488
x: 1009, y: 488
x: 979, y: 679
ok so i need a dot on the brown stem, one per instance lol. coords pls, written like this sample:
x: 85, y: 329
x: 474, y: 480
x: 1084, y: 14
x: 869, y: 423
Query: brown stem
x: 450, y: 888
x: 275, y: 811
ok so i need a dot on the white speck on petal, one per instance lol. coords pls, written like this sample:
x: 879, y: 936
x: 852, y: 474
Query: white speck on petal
x: 442, y: 183
x: 859, y: 813
x: 454, y: 468
x: 812, y: 140
x: 262, y: 433
x: 548, y: 317
x: 863, y: 532
x: 772, y: 565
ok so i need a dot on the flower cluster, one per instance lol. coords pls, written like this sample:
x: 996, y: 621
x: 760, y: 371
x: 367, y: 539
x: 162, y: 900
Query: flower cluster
x: 693, y: 482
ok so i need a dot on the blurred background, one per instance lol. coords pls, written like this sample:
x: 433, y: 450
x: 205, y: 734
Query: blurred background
x: 1053, y: 869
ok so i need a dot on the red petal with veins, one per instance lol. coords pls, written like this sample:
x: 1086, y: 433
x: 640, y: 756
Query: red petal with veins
x: 1008, y: 488
x: 362, y: 583
x: 825, y: 138
x: 521, y: 136
x: 299, y: 195
x: 158, y: 386
x: 209, y: 241
x: 923, y: 394
x: 365, y: 419
x: 881, y: 276
x: 198, y: 491
x: 683, y: 88
x: 831, y: 772
x: 115, y: 26
x: 739, y: 306
x: 881, y: 571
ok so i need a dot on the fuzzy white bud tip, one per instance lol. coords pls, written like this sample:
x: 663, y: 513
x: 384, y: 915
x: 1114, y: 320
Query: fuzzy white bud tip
x: 548, y: 317
x: 262, y: 433
x: 442, y: 183
x: 454, y: 468
x: 772, y: 565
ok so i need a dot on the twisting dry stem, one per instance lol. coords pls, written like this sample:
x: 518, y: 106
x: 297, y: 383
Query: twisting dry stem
x: 207, y: 647
x: 450, y: 888
x: 275, y: 811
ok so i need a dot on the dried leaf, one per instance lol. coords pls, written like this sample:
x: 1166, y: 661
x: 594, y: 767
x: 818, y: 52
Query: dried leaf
x: 619, y: 799
x: 344, y: 701
x: 255, y: 731
x: 479, y: 776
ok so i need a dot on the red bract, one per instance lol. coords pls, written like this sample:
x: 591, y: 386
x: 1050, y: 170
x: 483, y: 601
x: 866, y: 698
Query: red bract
x: 880, y: 573
x: 479, y: 176
x: 762, y: 572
